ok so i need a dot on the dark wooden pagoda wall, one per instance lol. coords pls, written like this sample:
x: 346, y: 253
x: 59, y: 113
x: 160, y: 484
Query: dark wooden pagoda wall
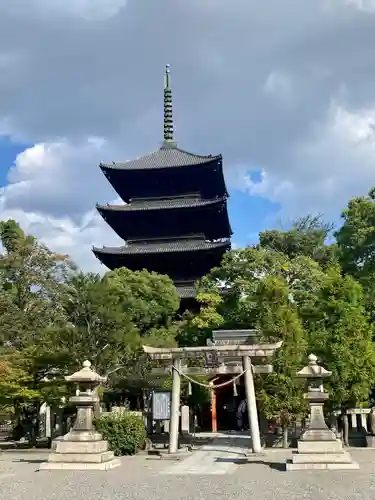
x: 183, y: 266
x: 206, y: 180
x: 143, y: 224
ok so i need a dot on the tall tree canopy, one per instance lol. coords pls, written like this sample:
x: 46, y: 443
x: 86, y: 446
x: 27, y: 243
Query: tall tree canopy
x: 307, y: 237
x: 356, y: 242
x: 313, y: 309
x: 53, y: 317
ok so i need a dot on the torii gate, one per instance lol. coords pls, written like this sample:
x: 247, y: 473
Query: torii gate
x: 246, y: 353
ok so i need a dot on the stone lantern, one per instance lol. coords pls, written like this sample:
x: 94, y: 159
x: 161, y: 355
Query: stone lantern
x: 86, y: 380
x: 318, y: 447
x: 317, y: 428
x: 83, y: 447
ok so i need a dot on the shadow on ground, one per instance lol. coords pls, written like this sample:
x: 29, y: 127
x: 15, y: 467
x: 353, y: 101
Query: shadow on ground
x: 242, y: 461
x: 28, y: 460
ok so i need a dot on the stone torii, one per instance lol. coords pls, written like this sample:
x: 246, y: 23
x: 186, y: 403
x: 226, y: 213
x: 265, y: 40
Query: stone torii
x: 246, y: 353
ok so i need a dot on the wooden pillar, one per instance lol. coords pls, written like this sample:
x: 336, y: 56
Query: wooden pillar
x: 213, y: 407
x: 213, y: 411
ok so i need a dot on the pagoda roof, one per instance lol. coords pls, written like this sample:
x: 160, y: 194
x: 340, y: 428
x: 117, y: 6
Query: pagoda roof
x: 165, y: 157
x: 186, y: 291
x: 164, y: 246
x: 160, y: 204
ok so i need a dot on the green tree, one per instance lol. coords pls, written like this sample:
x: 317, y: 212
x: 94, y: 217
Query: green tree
x: 31, y: 281
x: 238, y: 279
x: 281, y: 393
x: 110, y: 317
x: 341, y: 336
x: 356, y: 243
x: 311, y: 308
x: 15, y: 381
x: 307, y: 237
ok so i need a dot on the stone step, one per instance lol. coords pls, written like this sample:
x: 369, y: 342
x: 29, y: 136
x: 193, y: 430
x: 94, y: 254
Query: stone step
x: 316, y: 458
x: 319, y: 446
x: 314, y: 466
x: 82, y: 457
x: 81, y: 446
x: 80, y: 466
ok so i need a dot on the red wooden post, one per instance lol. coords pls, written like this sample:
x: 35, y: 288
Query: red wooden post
x: 213, y: 411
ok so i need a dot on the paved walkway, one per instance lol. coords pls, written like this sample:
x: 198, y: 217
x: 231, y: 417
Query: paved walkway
x: 220, y: 457
x: 140, y: 478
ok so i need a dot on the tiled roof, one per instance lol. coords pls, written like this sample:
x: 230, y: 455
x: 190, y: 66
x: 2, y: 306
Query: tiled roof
x: 164, y: 157
x: 154, y: 204
x: 180, y: 245
x: 186, y: 291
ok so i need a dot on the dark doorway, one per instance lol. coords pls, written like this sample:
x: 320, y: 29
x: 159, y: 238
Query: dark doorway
x: 227, y: 404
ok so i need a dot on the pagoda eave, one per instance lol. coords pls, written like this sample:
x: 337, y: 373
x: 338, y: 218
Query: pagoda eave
x: 182, y: 261
x: 177, y: 203
x: 178, y: 218
x: 164, y: 157
x: 174, y: 247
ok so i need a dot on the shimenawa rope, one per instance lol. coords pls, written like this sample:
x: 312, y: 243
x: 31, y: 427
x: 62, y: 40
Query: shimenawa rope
x: 210, y: 386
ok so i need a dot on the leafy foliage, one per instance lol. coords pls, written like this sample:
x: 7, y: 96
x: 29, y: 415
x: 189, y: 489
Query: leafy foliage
x: 310, y: 307
x: 281, y: 392
x: 15, y: 381
x: 307, y: 237
x: 341, y: 336
x: 53, y: 317
x: 125, y: 433
x: 241, y: 273
x: 356, y: 242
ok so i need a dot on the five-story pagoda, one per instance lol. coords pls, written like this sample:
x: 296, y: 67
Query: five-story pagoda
x: 174, y: 220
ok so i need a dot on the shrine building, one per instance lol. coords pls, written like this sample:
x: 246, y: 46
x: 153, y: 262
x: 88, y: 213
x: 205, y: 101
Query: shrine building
x: 174, y: 219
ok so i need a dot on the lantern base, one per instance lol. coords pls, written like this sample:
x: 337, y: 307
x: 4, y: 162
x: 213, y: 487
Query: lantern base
x: 79, y: 464
x: 322, y: 465
x: 81, y: 451
x: 321, y: 455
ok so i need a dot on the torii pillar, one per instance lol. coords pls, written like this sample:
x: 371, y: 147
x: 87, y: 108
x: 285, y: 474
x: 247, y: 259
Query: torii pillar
x: 251, y: 405
x: 246, y: 352
x: 175, y: 406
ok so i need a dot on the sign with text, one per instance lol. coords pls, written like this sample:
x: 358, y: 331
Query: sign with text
x: 161, y: 405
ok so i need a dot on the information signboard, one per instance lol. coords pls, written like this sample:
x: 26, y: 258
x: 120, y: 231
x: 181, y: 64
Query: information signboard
x: 161, y: 405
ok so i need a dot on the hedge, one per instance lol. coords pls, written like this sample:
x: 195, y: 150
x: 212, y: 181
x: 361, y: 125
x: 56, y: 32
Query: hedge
x: 125, y: 433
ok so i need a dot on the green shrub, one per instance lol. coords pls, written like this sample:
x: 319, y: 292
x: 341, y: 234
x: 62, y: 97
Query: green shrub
x: 125, y: 433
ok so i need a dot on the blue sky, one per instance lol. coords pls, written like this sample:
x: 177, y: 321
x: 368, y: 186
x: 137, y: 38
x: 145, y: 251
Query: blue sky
x: 284, y: 90
x: 9, y: 150
x: 248, y: 214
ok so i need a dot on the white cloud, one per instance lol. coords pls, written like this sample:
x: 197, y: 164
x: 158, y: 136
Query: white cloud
x: 364, y: 5
x: 65, y: 236
x: 336, y: 162
x: 60, y: 178
x: 52, y: 192
x: 91, y: 10
x: 280, y: 86
x: 82, y: 80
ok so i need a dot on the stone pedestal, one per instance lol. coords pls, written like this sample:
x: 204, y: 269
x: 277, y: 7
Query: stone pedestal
x: 82, y: 448
x: 321, y: 455
x: 81, y: 451
x: 318, y: 447
x: 370, y: 441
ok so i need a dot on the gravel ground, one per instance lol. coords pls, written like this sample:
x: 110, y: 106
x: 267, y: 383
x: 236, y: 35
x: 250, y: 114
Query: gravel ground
x: 141, y: 478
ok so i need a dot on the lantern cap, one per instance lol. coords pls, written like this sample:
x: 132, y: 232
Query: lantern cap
x: 86, y: 374
x: 313, y: 370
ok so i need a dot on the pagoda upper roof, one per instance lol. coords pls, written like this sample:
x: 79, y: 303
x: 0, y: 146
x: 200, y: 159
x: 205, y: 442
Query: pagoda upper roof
x: 191, y: 244
x: 165, y: 157
x: 186, y: 291
x: 161, y: 204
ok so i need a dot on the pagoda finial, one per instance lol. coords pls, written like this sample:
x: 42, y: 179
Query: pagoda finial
x: 168, y: 110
